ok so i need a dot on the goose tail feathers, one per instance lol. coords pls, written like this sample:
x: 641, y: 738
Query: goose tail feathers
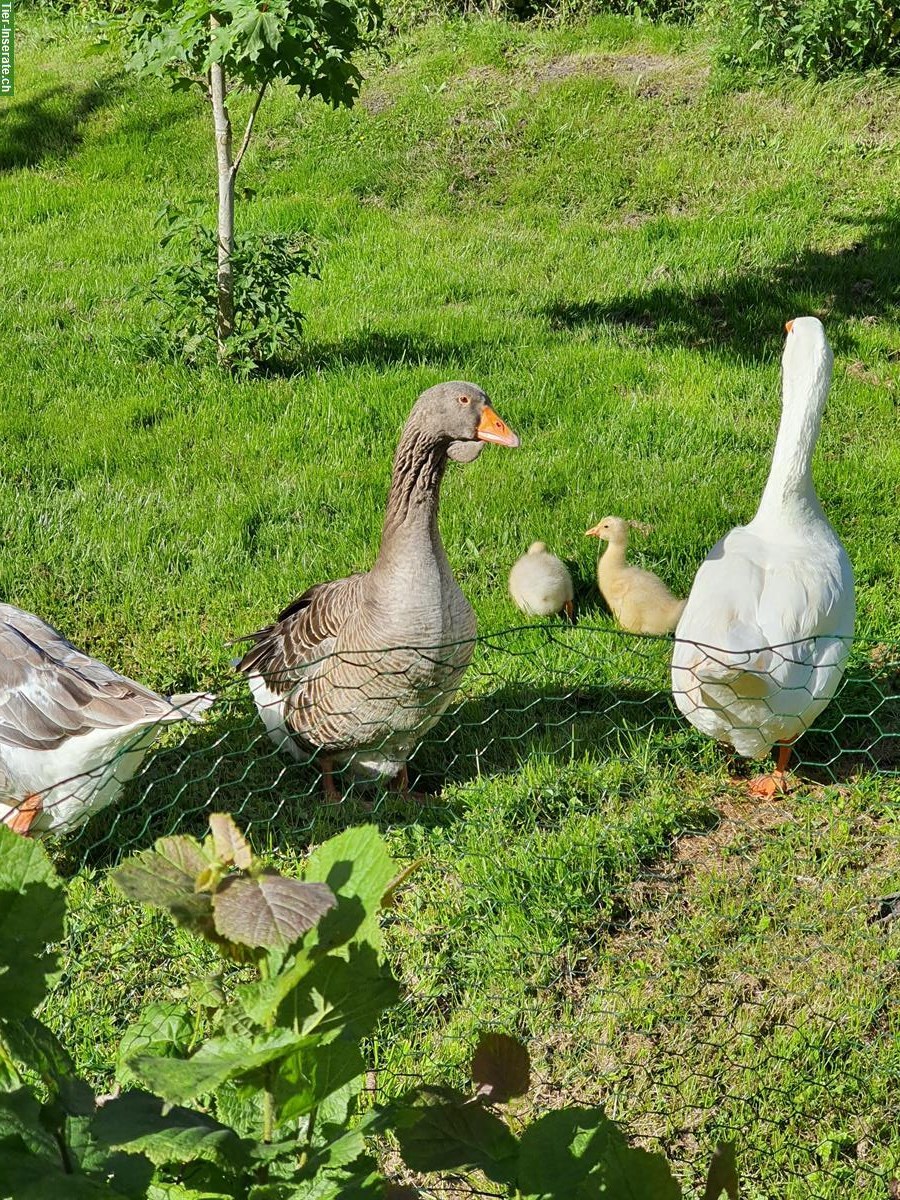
x: 190, y: 706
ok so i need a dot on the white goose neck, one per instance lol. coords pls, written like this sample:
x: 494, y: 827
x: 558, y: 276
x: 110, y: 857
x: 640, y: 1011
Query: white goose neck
x: 789, y: 494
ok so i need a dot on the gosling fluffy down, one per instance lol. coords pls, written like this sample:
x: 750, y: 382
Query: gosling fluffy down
x: 638, y: 599
x: 540, y: 584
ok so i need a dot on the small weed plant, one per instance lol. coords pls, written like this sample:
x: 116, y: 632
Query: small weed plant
x: 250, y: 1089
x: 266, y: 325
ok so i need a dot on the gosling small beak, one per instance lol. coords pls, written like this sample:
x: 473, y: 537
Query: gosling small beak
x: 594, y: 531
x: 788, y: 326
x: 492, y: 428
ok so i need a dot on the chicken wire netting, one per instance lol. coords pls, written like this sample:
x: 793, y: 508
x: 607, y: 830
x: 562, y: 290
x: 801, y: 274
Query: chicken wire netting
x: 594, y: 878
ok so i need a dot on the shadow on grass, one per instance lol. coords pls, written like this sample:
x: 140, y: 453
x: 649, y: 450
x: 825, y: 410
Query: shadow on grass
x: 496, y: 734
x: 746, y: 310
x: 49, y: 124
x: 373, y: 348
x: 230, y: 765
x: 859, y: 733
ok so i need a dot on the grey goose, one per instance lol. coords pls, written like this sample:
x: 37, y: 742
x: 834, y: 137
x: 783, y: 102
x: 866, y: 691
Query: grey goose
x: 357, y: 670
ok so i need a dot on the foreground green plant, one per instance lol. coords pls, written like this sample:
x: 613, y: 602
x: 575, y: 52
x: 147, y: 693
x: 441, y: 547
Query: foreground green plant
x: 279, y: 1058
x: 275, y: 1068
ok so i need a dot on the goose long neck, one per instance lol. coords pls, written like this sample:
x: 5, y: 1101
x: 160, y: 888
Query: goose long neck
x: 411, y: 515
x: 789, y: 492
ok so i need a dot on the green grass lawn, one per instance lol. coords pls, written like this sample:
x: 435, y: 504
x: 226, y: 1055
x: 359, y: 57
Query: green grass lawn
x: 608, y: 237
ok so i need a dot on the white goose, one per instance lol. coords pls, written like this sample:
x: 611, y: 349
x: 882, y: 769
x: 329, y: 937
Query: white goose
x: 764, y: 638
x: 72, y: 730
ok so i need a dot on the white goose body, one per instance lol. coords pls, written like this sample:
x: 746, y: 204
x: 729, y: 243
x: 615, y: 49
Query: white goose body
x: 72, y: 730
x: 764, y: 637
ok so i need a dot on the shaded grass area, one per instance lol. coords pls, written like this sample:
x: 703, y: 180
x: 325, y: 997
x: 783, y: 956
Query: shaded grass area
x: 609, y: 240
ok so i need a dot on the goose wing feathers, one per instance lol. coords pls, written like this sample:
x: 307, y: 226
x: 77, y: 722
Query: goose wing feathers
x: 303, y: 634
x: 50, y: 691
x: 760, y: 648
x: 756, y: 598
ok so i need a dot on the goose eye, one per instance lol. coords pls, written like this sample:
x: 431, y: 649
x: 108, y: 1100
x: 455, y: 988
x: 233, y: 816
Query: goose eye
x: 464, y: 399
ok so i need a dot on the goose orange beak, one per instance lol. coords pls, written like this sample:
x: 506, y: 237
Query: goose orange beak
x: 492, y: 428
x: 788, y: 326
x: 594, y: 531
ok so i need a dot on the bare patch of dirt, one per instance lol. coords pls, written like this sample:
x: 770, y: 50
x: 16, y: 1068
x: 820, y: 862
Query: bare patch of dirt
x: 866, y: 374
x: 643, y: 64
x: 375, y: 102
x: 651, y: 73
x: 738, y: 817
x: 571, y: 64
x: 634, y: 220
x: 482, y: 77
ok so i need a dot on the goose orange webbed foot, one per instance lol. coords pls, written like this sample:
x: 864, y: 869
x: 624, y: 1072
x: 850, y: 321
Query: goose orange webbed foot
x: 331, y: 793
x: 764, y: 787
x: 23, y: 817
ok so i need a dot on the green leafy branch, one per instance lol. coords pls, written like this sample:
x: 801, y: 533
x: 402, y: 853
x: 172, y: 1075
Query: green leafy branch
x: 249, y: 1089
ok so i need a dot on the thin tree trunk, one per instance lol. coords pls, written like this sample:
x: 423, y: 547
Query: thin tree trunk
x: 224, y: 275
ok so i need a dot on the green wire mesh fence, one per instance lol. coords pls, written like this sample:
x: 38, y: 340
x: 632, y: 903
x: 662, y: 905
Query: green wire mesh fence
x: 594, y: 879
x: 552, y: 691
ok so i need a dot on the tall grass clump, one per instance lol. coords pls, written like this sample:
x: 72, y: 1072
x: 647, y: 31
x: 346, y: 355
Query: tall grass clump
x: 404, y: 14
x: 815, y: 38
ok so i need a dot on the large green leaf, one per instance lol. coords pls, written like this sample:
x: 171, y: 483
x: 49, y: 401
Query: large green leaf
x: 20, y: 1116
x: 309, y: 1079
x: 32, y: 913
x: 136, y: 1123
x: 165, y: 878
x: 269, y: 910
x: 363, y: 1182
x: 178, y: 1191
x: 580, y: 1154
x: 336, y: 1107
x: 357, y: 867
x: 250, y: 32
x: 459, y: 1137
x: 165, y: 1029
x: 27, y: 1176
x: 178, y: 1080
x: 260, y: 1000
x: 341, y: 996
x: 229, y: 844
x: 128, y: 1174
x: 340, y: 1148
x: 34, y: 1044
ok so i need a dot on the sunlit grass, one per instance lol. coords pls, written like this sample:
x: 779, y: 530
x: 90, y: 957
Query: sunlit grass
x: 609, y: 240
